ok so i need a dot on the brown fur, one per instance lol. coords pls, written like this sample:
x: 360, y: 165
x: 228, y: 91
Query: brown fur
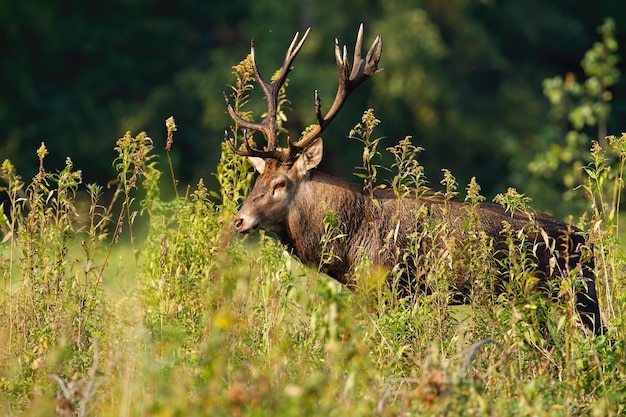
x: 294, y: 200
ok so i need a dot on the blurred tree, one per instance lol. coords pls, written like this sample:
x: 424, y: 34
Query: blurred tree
x: 584, y: 105
x: 77, y: 75
x: 551, y: 38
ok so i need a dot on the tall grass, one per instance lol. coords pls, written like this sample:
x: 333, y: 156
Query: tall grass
x: 188, y: 319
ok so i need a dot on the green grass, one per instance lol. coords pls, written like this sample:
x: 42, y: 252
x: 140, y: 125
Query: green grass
x: 188, y: 319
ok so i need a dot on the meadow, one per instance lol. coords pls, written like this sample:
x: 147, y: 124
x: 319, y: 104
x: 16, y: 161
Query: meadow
x: 145, y: 305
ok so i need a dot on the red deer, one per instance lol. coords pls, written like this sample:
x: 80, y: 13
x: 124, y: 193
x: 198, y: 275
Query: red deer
x: 291, y: 198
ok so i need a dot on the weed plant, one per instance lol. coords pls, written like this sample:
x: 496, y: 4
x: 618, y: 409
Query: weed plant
x: 189, y: 319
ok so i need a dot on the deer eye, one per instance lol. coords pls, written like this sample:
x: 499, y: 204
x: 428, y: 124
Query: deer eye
x: 279, y: 184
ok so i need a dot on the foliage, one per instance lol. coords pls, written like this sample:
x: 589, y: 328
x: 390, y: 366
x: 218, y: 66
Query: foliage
x: 103, y: 318
x: 52, y: 298
x: 584, y: 105
x: 208, y: 324
x: 409, y: 173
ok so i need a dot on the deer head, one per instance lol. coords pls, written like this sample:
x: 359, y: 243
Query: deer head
x: 282, y: 170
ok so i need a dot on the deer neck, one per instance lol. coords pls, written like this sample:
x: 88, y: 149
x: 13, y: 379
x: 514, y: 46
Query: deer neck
x: 317, y: 199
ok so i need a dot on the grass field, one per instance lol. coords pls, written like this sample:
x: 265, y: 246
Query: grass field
x: 180, y: 317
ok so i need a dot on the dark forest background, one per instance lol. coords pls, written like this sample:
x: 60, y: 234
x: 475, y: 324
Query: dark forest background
x: 493, y: 89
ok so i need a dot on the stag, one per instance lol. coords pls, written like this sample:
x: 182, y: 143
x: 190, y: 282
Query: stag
x: 291, y: 198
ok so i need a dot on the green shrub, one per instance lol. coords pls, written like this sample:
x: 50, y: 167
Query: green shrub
x: 151, y: 306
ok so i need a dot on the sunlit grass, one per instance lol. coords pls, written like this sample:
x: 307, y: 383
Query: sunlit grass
x: 186, y: 318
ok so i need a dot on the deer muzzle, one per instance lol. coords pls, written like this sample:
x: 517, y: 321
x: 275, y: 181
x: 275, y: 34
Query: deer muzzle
x: 243, y: 223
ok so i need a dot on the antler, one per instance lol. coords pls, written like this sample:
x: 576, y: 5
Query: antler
x: 349, y: 80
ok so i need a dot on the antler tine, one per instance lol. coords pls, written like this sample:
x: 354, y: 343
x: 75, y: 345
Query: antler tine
x: 291, y: 54
x: 268, y: 127
x: 348, y: 81
x: 372, y: 58
x: 318, y: 108
x: 230, y: 143
x: 240, y: 120
x: 357, y: 53
x: 272, y: 90
x: 250, y: 151
x: 257, y: 73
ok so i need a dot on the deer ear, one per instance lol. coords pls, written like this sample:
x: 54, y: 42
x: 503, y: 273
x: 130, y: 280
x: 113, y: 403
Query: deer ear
x: 310, y: 158
x: 259, y: 163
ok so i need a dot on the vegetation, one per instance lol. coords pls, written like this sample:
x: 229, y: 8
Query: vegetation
x: 191, y: 320
x: 120, y: 301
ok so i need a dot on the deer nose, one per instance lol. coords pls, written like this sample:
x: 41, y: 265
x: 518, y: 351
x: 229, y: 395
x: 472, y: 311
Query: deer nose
x: 238, y: 224
x: 244, y: 223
